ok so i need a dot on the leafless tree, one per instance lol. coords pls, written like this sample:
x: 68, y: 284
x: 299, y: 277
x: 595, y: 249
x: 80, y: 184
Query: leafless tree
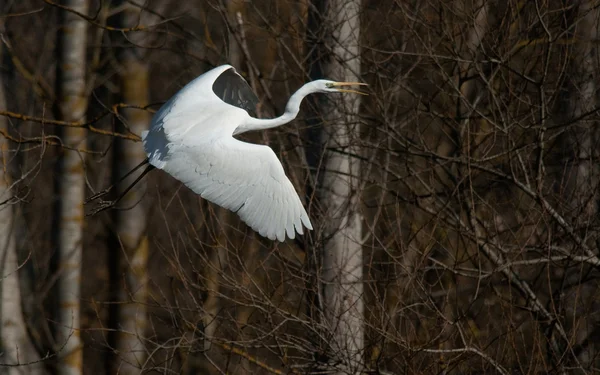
x: 72, y: 96
x: 340, y: 232
x: 130, y: 219
x: 19, y: 351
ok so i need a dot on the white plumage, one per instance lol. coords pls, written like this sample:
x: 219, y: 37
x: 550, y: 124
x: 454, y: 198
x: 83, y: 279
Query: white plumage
x: 191, y: 138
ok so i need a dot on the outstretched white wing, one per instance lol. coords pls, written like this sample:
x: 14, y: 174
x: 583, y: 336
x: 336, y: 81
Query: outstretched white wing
x: 242, y: 177
x: 191, y: 139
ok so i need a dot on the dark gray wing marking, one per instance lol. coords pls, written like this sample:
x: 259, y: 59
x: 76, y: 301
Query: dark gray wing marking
x: 233, y: 89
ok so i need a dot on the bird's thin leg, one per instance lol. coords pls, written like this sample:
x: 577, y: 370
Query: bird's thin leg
x: 103, y: 205
x: 108, y: 189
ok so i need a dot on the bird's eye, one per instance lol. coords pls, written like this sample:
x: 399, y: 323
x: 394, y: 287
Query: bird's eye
x: 329, y: 85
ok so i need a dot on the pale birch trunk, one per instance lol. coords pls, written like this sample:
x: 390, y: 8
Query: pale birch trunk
x: 17, y: 347
x: 72, y: 105
x: 342, y: 258
x: 131, y: 219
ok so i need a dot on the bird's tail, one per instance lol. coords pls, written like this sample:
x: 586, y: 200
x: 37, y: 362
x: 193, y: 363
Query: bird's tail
x: 155, y: 144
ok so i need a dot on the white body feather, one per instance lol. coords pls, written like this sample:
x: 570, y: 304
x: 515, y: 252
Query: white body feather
x: 191, y: 138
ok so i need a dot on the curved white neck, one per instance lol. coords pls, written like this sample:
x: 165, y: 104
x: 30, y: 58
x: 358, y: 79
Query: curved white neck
x: 291, y: 111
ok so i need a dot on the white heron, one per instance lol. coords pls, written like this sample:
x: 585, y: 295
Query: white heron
x: 191, y: 138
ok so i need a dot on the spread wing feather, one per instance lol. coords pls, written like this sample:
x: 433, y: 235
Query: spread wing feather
x: 244, y: 178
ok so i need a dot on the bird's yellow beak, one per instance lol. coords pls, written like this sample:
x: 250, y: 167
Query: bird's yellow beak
x: 338, y: 84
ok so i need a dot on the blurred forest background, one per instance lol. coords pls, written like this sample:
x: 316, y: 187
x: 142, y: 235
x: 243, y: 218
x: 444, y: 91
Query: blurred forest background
x: 455, y: 207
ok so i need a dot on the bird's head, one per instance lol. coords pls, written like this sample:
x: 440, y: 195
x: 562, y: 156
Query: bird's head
x: 327, y: 86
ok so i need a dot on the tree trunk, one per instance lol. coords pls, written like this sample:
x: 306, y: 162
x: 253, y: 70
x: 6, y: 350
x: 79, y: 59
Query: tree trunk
x: 342, y: 255
x: 72, y: 105
x: 17, y: 347
x: 131, y: 220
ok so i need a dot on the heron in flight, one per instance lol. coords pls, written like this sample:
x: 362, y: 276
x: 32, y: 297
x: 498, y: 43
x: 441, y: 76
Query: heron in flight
x: 191, y: 138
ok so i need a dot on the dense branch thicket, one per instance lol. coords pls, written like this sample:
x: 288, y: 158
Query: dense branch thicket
x: 475, y: 182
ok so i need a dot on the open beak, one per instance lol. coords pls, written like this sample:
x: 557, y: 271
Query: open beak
x: 342, y: 84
